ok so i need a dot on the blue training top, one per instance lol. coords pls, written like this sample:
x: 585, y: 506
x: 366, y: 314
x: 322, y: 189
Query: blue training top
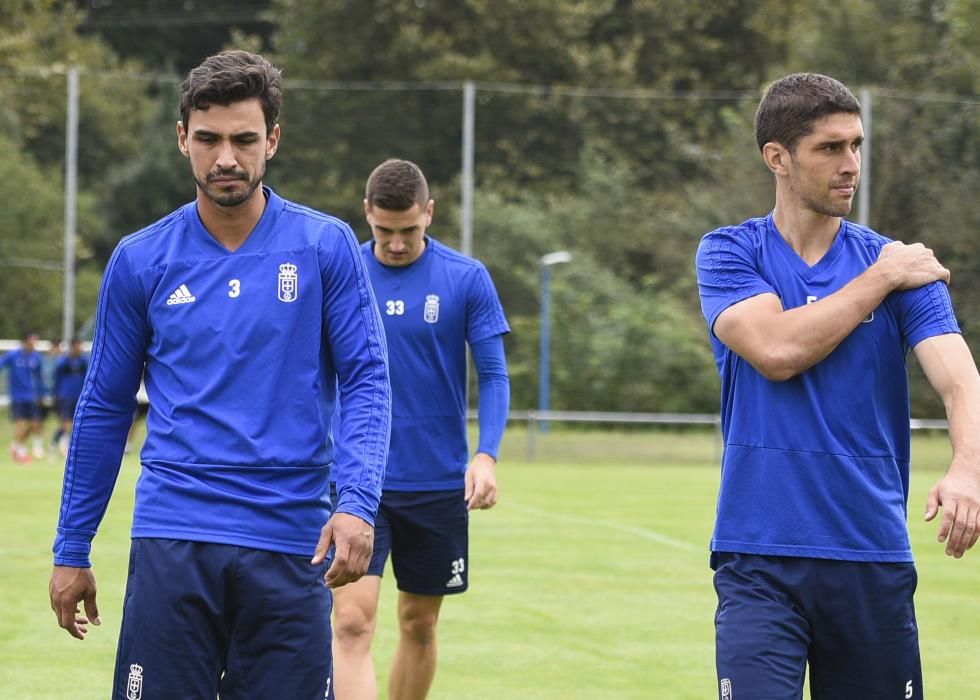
x: 26, y: 382
x: 243, y: 352
x: 431, y: 309
x: 69, y: 375
x: 816, y: 466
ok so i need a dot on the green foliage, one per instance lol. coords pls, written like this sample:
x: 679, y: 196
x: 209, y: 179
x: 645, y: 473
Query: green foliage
x: 618, y: 342
x: 38, y: 41
x: 32, y: 246
x: 628, y: 181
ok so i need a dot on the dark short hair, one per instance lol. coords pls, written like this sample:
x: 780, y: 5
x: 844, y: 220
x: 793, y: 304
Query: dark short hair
x: 791, y: 105
x: 397, y: 185
x: 233, y: 76
x: 27, y: 334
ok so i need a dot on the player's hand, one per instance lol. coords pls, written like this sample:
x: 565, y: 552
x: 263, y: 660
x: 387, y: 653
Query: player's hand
x: 353, y: 541
x: 911, y: 266
x: 958, y: 494
x: 481, y: 482
x: 67, y: 587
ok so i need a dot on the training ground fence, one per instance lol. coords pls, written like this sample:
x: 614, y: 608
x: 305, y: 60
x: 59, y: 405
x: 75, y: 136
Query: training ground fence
x: 624, y: 180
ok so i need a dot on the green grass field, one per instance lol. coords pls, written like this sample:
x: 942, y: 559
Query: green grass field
x: 590, y: 579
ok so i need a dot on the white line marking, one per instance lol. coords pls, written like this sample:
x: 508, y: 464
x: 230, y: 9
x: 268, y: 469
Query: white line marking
x: 611, y: 525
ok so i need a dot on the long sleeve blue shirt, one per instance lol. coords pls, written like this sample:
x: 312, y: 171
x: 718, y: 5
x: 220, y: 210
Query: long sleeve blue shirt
x: 243, y: 354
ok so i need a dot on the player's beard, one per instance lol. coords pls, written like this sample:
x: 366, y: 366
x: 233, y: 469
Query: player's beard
x: 815, y: 200
x: 235, y: 197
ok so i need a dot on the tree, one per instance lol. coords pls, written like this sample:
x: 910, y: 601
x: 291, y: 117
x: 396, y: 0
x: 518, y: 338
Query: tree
x: 38, y: 40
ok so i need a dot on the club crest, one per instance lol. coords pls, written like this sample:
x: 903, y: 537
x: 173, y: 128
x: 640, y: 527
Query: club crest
x: 288, y: 282
x: 134, y: 687
x: 431, y: 311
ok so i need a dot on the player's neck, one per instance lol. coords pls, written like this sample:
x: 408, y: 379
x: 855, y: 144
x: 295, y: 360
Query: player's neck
x: 807, y: 232
x: 230, y: 226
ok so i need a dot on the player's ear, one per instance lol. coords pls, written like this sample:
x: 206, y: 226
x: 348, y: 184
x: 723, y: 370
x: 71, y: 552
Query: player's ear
x: 182, y: 139
x: 367, y: 210
x: 272, y: 142
x: 429, y: 208
x: 776, y: 157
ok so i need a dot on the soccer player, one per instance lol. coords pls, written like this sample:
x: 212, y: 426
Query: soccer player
x: 69, y: 373
x: 434, y: 301
x: 247, y: 312
x: 811, y: 317
x: 26, y: 386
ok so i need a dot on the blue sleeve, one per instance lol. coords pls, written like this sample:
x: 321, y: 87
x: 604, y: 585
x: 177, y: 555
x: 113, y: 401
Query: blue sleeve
x: 360, y: 354
x: 104, y: 413
x: 494, y: 383
x: 484, y: 313
x: 727, y: 273
x: 925, y: 312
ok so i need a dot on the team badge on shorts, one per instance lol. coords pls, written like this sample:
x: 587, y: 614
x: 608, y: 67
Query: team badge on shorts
x: 431, y: 311
x: 134, y: 687
x: 288, y: 282
x: 726, y: 689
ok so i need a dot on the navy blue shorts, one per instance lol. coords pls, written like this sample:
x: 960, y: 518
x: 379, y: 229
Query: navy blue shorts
x: 426, y: 534
x: 852, y: 622
x: 24, y: 410
x: 201, y: 620
x: 66, y: 408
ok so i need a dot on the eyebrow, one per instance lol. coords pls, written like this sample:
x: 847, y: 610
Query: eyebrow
x: 840, y: 141
x: 238, y: 135
x: 396, y: 230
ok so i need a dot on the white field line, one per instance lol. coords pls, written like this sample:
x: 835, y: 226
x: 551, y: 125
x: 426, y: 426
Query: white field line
x: 640, y: 532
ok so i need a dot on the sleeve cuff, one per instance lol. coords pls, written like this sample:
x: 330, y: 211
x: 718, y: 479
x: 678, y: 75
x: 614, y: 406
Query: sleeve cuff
x: 73, y: 548
x: 359, y: 502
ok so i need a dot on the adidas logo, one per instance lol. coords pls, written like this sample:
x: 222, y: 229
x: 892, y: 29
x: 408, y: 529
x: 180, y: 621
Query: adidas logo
x: 181, y: 295
x: 455, y: 582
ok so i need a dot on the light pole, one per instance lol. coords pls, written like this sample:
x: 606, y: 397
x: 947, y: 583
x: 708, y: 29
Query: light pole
x: 544, y: 389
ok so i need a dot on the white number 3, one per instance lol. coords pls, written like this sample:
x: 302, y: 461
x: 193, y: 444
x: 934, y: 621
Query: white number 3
x: 236, y: 288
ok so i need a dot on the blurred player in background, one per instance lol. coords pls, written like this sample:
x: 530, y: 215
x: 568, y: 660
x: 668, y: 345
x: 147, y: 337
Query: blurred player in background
x: 247, y: 312
x: 811, y: 317
x: 27, y: 391
x: 434, y: 301
x: 69, y: 373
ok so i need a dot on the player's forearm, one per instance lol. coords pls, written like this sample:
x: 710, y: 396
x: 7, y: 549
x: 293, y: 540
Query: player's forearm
x: 494, y: 384
x: 797, y: 339
x: 948, y: 365
x: 963, y: 413
x: 494, y: 405
x: 90, y: 475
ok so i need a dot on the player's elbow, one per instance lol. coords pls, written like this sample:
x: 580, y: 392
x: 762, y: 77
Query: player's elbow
x: 779, y: 363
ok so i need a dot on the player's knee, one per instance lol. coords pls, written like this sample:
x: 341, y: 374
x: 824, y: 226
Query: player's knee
x: 353, y: 626
x: 419, y: 625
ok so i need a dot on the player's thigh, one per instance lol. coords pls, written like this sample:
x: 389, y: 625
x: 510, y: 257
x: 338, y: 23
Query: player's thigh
x: 279, y: 629
x: 172, y: 639
x: 430, y: 543
x: 761, y: 635
x: 865, y: 639
x: 355, y: 608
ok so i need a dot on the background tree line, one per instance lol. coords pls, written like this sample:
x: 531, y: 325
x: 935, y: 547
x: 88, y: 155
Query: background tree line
x: 627, y: 174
